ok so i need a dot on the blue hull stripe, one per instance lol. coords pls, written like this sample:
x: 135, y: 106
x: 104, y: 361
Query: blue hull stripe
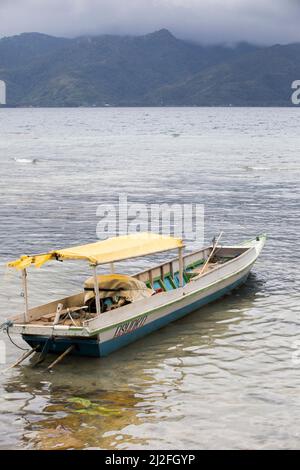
x: 92, y: 348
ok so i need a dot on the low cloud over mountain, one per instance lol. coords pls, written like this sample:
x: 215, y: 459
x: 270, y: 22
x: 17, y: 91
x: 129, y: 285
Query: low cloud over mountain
x: 205, y: 21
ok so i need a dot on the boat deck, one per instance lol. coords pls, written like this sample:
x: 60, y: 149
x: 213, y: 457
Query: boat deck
x: 163, y: 278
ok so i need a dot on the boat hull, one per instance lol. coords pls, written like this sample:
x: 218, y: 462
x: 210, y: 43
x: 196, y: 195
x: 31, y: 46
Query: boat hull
x: 99, y: 348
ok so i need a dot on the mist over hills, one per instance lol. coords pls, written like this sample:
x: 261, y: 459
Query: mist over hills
x: 156, y: 69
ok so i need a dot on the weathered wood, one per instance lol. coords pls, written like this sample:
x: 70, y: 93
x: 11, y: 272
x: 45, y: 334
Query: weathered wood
x: 60, y: 358
x: 58, y: 314
x: 22, y: 358
x: 151, y: 278
x: 211, y: 254
x: 49, y: 317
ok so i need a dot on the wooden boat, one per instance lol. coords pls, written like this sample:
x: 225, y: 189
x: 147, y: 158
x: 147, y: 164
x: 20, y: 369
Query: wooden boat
x: 114, y: 310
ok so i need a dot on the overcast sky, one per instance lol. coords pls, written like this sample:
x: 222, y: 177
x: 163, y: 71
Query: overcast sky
x: 206, y: 21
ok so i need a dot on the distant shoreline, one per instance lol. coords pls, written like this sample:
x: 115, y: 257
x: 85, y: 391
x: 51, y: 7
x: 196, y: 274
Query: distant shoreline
x: 291, y: 106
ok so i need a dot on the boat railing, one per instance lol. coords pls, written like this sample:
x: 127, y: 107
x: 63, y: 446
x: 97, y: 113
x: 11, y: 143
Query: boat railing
x: 190, y: 261
x: 171, y: 267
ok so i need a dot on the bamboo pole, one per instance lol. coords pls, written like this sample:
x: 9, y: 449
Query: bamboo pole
x: 180, y: 258
x: 211, y: 254
x: 60, y: 358
x: 25, y: 291
x: 96, y: 289
x: 22, y: 358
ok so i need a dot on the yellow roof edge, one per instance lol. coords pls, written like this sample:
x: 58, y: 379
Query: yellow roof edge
x: 107, y: 251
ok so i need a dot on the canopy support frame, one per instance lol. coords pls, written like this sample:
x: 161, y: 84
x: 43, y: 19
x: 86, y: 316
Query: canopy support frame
x: 96, y: 288
x: 25, y: 294
x: 180, y: 259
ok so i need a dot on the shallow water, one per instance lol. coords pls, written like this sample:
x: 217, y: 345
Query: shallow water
x: 227, y: 376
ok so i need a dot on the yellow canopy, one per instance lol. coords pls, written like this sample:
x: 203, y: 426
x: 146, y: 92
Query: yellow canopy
x: 106, y: 251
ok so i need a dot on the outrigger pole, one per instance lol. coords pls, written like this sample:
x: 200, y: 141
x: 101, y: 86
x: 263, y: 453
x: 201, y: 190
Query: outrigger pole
x: 22, y: 358
x: 25, y: 292
x: 60, y: 358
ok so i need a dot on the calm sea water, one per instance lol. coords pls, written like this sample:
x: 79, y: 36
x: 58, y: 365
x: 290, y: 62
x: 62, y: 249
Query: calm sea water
x: 227, y: 376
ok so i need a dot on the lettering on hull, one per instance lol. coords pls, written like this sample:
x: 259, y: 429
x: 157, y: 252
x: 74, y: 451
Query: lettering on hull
x: 130, y: 326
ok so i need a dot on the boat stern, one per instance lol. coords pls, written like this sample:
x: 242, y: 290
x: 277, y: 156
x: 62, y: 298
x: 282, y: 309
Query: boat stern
x: 89, y: 347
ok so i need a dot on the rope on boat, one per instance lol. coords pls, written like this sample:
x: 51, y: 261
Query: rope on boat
x: 44, y: 351
x: 7, y: 324
x: 5, y: 328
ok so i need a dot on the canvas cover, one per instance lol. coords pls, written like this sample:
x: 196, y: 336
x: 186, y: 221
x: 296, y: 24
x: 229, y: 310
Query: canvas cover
x: 111, y: 285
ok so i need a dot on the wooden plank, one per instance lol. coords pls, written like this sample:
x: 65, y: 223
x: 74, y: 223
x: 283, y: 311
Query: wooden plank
x: 151, y: 277
x: 60, y: 358
x: 24, y: 356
